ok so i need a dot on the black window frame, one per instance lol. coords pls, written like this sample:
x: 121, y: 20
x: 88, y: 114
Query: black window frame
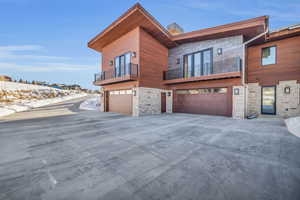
x: 261, y: 59
x: 119, y: 56
x: 275, y: 102
x: 185, y: 56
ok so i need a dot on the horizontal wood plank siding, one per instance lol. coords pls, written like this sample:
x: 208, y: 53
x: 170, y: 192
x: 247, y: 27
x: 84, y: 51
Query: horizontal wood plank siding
x: 127, y: 43
x: 287, y: 65
x: 153, y: 61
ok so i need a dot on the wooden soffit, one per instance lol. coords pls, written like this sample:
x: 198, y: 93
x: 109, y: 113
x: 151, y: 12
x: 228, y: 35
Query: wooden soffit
x: 136, y: 16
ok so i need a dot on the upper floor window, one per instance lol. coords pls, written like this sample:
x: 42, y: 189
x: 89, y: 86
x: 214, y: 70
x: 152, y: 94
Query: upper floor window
x: 268, y: 55
x: 122, y: 64
x: 198, y: 63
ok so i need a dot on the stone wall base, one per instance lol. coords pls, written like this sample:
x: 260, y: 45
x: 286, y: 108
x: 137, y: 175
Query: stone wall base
x: 287, y: 104
x: 147, y: 101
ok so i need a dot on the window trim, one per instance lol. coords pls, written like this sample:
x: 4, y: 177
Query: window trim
x: 202, y: 61
x: 261, y: 55
x: 275, y: 102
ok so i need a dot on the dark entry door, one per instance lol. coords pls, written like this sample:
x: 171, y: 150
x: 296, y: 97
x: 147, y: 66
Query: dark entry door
x: 163, y: 102
x: 268, y: 104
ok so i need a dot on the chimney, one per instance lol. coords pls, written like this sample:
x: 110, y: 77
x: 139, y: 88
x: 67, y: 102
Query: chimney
x: 174, y: 29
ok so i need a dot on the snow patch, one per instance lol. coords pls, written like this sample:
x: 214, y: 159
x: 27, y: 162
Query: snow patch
x: 91, y: 104
x: 293, y: 125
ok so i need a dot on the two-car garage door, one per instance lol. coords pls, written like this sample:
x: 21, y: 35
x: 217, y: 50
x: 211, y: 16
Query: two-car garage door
x: 120, y: 101
x: 210, y: 101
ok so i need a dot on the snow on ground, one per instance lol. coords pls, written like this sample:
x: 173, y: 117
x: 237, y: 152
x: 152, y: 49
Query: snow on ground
x: 91, y: 104
x: 293, y: 125
x: 19, y: 107
x: 18, y: 97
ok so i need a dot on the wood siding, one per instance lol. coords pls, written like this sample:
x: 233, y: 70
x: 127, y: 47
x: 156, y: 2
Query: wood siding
x: 287, y: 65
x: 127, y: 43
x: 153, y: 61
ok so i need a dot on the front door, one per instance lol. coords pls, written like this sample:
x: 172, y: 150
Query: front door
x: 163, y: 102
x: 268, y: 104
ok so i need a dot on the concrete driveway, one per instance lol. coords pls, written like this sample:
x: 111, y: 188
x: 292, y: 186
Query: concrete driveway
x: 58, y: 152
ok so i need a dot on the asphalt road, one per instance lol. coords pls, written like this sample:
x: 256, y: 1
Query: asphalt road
x: 59, y: 152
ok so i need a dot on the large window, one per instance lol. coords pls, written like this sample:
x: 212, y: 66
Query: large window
x: 122, y: 64
x: 198, y: 63
x: 268, y: 55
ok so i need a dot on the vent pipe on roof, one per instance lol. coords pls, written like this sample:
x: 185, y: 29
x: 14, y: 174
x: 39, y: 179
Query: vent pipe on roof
x: 174, y: 29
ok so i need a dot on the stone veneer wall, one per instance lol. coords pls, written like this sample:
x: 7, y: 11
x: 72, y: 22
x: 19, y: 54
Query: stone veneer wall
x: 287, y: 105
x: 231, y: 47
x: 254, y: 98
x: 148, y: 101
x: 238, y: 101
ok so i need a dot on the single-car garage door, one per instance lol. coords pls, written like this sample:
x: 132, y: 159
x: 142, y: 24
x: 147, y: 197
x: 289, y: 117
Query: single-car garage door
x: 210, y: 101
x: 120, y: 101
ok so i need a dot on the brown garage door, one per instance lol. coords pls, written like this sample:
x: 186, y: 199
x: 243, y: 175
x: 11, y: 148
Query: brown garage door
x: 210, y: 101
x: 120, y: 101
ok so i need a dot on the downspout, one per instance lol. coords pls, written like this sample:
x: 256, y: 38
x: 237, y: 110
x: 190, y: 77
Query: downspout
x: 244, y: 46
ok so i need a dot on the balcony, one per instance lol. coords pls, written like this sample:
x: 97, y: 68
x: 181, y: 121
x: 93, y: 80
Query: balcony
x: 127, y: 72
x: 227, y: 68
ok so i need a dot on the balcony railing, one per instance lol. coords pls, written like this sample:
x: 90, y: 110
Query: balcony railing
x: 219, y: 67
x: 125, y: 72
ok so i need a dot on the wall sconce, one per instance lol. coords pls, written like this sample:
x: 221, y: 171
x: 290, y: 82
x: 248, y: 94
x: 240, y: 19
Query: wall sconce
x: 287, y: 90
x: 169, y: 94
x: 111, y: 62
x: 134, y: 92
x: 178, y: 61
x: 219, y: 51
x: 134, y: 54
x: 101, y: 94
x: 236, y: 91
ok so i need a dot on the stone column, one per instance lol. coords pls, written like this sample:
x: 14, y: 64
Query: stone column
x: 238, y: 102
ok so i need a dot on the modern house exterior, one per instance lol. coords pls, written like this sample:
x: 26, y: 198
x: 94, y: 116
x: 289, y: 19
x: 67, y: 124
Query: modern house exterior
x: 273, y: 74
x: 148, y: 69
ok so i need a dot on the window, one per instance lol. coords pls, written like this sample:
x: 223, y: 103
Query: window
x: 198, y: 63
x: 122, y: 65
x: 268, y: 55
x: 203, y: 91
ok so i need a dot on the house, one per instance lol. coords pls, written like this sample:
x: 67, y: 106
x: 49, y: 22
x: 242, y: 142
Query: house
x: 5, y: 78
x: 273, y: 74
x: 148, y: 69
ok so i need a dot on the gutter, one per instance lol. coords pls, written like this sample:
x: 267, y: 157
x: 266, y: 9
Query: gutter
x: 244, y: 66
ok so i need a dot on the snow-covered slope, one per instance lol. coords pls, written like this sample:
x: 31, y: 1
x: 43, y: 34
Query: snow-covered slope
x: 17, y: 97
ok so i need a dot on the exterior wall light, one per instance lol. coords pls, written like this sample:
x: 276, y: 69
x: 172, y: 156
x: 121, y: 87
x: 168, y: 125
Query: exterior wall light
x: 111, y: 62
x: 134, y: 54
x: 287, y: 90
x: 236, y: 91
x: 169, y: 94
x: 178, y: 61
x: 134, y: 92
x: 219, y: 51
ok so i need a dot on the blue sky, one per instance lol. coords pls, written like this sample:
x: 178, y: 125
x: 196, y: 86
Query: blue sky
x: 47, y: 39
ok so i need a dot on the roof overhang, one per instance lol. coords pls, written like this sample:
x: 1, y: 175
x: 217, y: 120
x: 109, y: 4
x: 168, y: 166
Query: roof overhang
x: 136, y: 16
x: 248, y: 28
x: 284, y: 33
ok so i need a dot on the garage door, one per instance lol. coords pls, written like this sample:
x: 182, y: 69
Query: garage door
x: 120, y: 101
x: 210, y: 101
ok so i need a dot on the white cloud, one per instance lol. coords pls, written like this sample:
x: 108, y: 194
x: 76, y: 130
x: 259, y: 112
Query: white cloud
x: 28, y: 52
x: 45, y: 67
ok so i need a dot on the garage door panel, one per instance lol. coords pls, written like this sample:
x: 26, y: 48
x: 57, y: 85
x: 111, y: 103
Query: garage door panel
x: 213, y: 103
x: 120, y: 102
